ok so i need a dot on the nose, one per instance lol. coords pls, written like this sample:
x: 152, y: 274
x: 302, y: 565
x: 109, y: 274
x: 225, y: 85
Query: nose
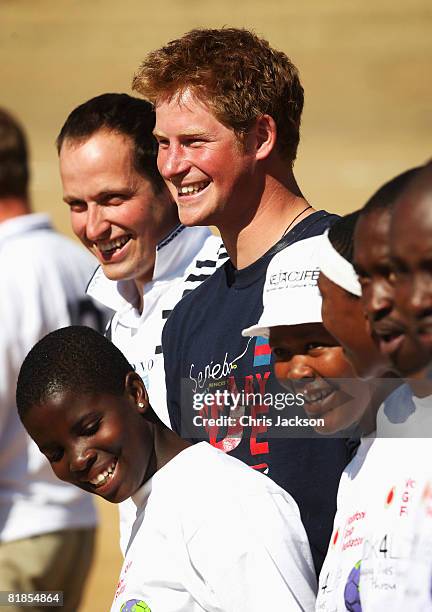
x: 420, y: 301
x: 81, y: 459
x: 97, y: 225
x: 299, y: 369
x: 172, y: 161
x: 378, y: 300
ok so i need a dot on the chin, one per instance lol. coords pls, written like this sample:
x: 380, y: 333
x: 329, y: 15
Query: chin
x: 327, y: 429
x: 118, y: 496
x: 362, y: 372
x: 407, y: 370
x: 110, y: 270
x: 110, y: 274
x: 118, y: 273
x: 410, y: 363
x: 192, y: 218
x: 189, y: 221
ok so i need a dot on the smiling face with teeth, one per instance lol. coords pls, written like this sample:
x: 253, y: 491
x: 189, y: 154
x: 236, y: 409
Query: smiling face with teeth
x: 101, y: 443
x: 210, y: 173
x: 309, y: 360
x: 115, y: 211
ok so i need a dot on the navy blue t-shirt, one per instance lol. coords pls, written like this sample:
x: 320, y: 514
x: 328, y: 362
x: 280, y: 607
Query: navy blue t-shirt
x: 204, y: 352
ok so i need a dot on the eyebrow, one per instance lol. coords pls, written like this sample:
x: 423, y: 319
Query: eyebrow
x: 68, y: 199
x: 101, y: 195
x: 185, y: 133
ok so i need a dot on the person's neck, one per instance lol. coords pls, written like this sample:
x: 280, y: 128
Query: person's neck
x: 280, y: 208
x: 167, y: 445
x: 140, y: 284
x: 381, y: 388
x: 13, y: 207
x: 421, y: 383
x: 170, y: 225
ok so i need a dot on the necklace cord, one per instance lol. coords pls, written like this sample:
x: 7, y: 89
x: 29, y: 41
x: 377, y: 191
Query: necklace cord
x: 295, y: 219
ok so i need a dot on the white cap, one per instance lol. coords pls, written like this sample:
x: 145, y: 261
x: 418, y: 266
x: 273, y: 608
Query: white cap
x: 291, y: 294
x: 338, y: 269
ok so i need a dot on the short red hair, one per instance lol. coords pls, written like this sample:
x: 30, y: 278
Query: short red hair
x: 236, y: 74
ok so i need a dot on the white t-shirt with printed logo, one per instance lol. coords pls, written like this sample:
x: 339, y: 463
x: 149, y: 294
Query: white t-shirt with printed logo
x: 417, y: 581
x: 214, y: 535
x: 349, y: 531
x: 400, y: 465
x: 371, y: 541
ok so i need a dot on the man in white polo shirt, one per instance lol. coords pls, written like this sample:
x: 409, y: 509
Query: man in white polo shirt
x: 123, y: 213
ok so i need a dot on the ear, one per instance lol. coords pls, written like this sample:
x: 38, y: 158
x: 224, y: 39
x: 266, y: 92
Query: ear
x: 266, y: 135
x: 136, y: 391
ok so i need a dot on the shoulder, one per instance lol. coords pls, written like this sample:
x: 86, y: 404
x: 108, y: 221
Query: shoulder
x: 193, y: 296
x: 44, y: 265
x: 210, y: 474
x: 46, y: 247
x: 209, y: 258
x: 314, y: 225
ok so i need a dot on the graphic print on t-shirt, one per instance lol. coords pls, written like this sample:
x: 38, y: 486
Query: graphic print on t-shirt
x: 229, y: 406
x: 134, y: 605
x: 262, y: 352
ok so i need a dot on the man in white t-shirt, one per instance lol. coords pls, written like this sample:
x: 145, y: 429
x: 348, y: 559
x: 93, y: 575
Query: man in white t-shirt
x: 410, y: 243
x: 44, y: 524
x: 379, y: 490
x: 123, y: 213
x: 210, y: 534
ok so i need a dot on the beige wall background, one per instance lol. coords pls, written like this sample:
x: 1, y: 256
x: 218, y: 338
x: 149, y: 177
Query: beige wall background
x: 366, y: 68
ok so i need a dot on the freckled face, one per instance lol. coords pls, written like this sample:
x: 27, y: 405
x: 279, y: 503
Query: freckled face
x: 100, y: 443
x: 309, y: 359
x: 208, y: 171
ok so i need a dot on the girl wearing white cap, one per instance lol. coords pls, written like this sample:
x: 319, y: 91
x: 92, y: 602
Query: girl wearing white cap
x: 307, y: 357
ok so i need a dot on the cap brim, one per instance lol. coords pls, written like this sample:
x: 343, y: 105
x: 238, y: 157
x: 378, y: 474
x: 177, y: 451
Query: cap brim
x: 256, y: 330
x: 262, y: 328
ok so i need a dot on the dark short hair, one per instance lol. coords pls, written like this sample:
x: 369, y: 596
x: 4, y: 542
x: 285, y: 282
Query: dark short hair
x: 74, y: 358
x: 237, y: 74
x: 121, y: 114
x: 341, y: 235
x: 388, y: 194
x: 14, y: 172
